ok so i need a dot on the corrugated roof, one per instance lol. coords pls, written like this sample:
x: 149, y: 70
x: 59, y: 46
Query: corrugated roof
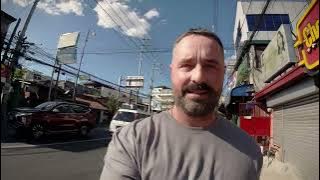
x: 92, y: 104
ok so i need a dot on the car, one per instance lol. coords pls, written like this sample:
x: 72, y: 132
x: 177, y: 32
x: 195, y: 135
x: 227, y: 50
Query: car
x: 125, y: 116
x: 53, y: 117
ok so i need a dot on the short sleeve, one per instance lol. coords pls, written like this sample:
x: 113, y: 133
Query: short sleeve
x: 120, y: 161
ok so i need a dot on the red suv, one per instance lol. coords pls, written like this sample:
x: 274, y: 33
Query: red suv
x: 53, y: 117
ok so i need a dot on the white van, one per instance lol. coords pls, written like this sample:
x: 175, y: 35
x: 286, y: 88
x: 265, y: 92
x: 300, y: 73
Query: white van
x: 124, y: 117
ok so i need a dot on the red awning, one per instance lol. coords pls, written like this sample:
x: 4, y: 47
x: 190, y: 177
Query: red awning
x: 290, y: 77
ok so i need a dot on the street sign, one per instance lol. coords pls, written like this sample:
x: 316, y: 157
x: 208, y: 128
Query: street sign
x: 134, y: 81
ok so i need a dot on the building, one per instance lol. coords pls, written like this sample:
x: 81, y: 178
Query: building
x: 250, y: 40
x: 123, y: 95
x: 249, y: 50
x: 33, y: 75
x: 162, y: 98
x: 292, y: 97
x: 283, y: 71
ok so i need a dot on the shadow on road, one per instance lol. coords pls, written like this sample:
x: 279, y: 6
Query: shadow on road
x: 97, y: 138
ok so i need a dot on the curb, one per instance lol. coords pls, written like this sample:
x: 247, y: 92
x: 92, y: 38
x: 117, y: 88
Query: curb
x: 51, y: 144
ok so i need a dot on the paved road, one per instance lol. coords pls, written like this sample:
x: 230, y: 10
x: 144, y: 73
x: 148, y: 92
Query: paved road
x: 80, y: 161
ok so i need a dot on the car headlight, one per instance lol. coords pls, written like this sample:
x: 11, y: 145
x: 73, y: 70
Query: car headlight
x: 23, y: 114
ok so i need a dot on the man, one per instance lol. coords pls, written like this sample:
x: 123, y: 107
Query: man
x: 188, y: 142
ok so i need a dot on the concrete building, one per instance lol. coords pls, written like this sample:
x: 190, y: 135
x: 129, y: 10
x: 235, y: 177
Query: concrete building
x: 34, y: 76
x: 246, y: 20
x: 162, y: 98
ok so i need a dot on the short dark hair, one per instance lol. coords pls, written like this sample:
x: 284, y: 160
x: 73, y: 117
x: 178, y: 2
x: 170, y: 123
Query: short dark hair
x: 201, y: 32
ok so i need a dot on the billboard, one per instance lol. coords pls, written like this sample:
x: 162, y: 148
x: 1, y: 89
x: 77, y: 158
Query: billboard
x: 68, y: 40
x: 67, y: 48
x: 278, y: 55
x: 308, y: 37
x: 67, y: 55
x: 134, y: 81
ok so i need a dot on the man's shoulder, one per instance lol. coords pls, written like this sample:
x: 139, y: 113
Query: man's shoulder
x: 142, y: 127
x: 239, y: 138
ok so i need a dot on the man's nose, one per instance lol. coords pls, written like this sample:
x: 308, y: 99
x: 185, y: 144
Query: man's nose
x: 198, y: 74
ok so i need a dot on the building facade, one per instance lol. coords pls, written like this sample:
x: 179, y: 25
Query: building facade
x: 162, y: 98
x: 284, y: 71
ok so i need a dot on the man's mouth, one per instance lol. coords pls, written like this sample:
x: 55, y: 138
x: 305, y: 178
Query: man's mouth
x: 197, y: 94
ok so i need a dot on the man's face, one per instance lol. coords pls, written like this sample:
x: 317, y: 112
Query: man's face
x: 197, y: 73
x: 279, y: 41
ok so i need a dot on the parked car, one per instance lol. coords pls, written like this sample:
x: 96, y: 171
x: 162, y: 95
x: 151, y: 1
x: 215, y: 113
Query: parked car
x: 53, y: 117
x: 125, y: 116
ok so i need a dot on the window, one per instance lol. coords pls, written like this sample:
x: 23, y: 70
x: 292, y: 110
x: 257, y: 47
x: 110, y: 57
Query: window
x: 268, y: 22
x: 125, y: 116
x: 63, y: 109
x: 79, y: 109
x: 141, y: 116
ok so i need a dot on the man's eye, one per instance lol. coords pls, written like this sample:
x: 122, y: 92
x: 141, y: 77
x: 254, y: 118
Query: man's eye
x: 187, y: 66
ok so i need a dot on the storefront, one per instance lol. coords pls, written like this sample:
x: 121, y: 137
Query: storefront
x: 293, y: 99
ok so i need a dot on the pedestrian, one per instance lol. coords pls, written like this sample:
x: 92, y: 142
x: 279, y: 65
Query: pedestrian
x: 189, y: 141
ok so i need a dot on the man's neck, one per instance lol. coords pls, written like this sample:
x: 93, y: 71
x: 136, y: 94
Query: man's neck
x: 190, y: 121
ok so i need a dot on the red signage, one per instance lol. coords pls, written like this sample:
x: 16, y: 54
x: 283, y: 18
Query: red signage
x: 4, y: 71
x: 308, y: 37
x: 255, y: 126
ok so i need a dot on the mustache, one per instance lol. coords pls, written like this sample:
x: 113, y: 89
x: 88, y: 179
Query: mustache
x: 195, y: 86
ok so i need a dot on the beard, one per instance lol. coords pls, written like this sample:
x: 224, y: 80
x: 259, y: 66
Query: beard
x: 198, y: 107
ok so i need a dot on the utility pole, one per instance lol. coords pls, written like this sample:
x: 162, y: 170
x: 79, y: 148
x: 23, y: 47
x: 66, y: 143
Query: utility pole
x: 21, y: 38
x: 5, y: 54
x: 78, y: 73
x: 51, y: 81
x: 151, y: 86
x: 57, y: 82
x: 13, y: 64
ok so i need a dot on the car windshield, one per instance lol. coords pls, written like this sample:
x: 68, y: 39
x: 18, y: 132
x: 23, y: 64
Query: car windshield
x: 125, y: 116
x: 46, y: 105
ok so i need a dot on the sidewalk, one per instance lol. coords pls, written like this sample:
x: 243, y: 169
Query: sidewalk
x: 277, y: 171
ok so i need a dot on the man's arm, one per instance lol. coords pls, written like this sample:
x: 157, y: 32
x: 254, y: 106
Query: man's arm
x: 120, y: 161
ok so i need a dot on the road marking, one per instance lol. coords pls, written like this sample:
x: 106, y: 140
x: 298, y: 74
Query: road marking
x: 51, y: 144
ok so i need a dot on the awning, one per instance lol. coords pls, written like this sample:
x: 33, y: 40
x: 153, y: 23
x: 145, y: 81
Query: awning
x: 294, y: 75
x: 239, y: 94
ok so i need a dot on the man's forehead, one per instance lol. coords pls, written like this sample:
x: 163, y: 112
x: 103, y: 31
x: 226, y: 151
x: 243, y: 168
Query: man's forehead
x: 188, y: 45
x: 198, y: 40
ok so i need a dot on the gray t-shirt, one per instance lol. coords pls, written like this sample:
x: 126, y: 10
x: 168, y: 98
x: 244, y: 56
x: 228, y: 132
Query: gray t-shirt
x: 160, y: 148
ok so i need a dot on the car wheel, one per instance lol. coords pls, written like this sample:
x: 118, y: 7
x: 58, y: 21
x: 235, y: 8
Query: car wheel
x: 84, y: 130
x: 37, y: 131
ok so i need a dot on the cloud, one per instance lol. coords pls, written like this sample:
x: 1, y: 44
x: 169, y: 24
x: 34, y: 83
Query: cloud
x: 231, y: 57
x: 151, y: 14
x: 22, y: 3
x: 56, y: 7
x: 121, y: 17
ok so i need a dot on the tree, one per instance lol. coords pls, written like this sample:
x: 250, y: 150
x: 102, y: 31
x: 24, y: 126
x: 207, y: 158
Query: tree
x: 19, y: 73
x: 243, y: 72
x: 112, y: 104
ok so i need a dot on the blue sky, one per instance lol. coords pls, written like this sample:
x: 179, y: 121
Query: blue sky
x: 159, y: 21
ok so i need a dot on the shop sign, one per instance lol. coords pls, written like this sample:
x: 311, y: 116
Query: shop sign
x: 308, y: 37
x: 278, y: 55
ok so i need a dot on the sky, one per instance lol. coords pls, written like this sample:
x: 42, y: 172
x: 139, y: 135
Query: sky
x: 121, y: 28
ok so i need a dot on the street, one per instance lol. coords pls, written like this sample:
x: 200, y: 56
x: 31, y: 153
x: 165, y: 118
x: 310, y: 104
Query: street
x: 81, y: 159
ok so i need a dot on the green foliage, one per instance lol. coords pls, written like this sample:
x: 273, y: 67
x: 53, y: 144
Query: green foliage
x: 19, y: 73
x: 112, y: 104
x: 243, y: 73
